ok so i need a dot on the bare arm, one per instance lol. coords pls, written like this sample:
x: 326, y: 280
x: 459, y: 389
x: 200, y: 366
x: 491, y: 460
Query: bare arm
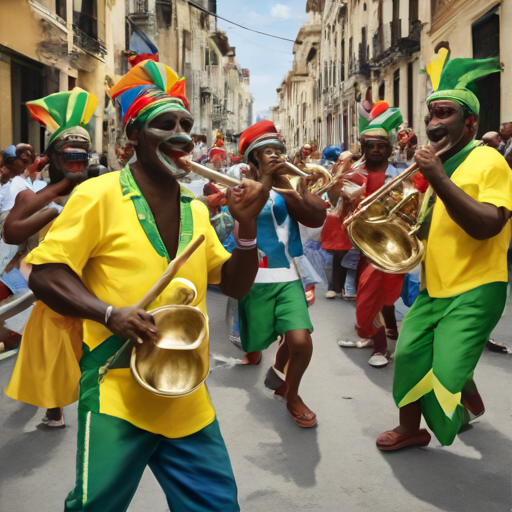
x: 479, y: 220
x: 64, y: 292
x: 239, y: 272
x: 27, y: 216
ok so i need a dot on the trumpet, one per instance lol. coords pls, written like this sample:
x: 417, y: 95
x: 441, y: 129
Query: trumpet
x: 384, y: 225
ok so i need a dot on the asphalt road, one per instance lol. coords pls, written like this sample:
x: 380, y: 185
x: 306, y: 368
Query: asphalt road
x: 280, y: 467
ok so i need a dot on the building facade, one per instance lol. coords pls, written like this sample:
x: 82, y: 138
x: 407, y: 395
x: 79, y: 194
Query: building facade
x: 48, y: 46
x: 386, y: 45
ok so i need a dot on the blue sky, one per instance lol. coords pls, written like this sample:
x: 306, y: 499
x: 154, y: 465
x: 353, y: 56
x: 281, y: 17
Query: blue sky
x: 267, y: 58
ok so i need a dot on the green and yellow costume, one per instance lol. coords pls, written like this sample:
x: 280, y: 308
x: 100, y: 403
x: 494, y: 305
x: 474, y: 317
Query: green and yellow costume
x: 465, y: 279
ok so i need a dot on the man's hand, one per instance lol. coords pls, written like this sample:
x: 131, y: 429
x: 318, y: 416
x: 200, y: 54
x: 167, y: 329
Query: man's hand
x: 429, y: 164
x: 246, y: 201
x: 132, y: 324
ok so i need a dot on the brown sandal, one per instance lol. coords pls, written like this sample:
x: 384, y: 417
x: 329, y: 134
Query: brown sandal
x: 391, y: 440
x: 299, y: 419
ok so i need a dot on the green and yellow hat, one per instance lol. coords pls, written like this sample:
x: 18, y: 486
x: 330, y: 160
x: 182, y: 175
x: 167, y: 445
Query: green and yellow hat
x: 63, y: 110
x: 457, y: 78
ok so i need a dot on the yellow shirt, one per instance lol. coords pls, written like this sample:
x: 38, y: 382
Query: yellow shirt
x: 455, y: 262
x: 117, y: 252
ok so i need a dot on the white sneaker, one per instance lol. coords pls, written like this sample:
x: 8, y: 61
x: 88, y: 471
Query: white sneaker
x: 378, y: 360
x: 331, y: 294
x: 347, y: 343
x: 365, y: 342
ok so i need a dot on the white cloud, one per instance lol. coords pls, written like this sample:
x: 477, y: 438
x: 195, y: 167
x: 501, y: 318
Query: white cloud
x: 281, y: 11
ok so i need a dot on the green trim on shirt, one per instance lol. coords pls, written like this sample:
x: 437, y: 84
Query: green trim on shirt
x: 130, y: 188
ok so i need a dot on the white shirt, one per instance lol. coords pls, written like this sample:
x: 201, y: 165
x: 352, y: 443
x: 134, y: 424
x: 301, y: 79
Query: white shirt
x: 17, y: 185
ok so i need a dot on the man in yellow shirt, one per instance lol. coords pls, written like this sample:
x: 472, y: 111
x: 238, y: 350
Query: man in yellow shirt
x: 465, y: 266
x: 111, y: 243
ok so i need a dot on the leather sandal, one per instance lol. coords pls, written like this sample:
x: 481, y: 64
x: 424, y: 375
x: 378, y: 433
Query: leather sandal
x: 391, y: 440
x: 299, y: 419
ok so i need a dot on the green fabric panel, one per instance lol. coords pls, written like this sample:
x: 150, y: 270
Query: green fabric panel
x: 77, y: 110
x: 147, y: 220
x: 90, y: 365
x: 270, y: 310
x: 452, y: 164
x: 446, y: 335
x: 151, y: 68
x: 100, y: 484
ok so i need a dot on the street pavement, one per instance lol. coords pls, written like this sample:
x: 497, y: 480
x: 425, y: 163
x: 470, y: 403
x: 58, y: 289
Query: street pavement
x: 279, y: 466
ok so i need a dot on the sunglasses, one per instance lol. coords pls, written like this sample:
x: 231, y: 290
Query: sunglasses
x: 441, y: 112
x: 378, y: 145
x: 78, y: 156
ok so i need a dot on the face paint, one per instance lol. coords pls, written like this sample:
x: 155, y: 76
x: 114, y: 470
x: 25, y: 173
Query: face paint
x: 166, y: 140
x: 69, y: 156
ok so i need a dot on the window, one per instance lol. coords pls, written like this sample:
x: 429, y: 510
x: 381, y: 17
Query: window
x: 350, y: 53
x: 60, y: 9
x: 342, y: 67
x: 326, y: 75
x: 413, y: 10
x: 410, y: 102
x: 85, y: 17
x: 396, y: 89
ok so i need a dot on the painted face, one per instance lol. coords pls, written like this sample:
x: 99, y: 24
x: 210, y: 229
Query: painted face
x: 445, y: 119
x: 69, y: 156
x: 165, y: 140
x: 376, y: 151
x: 268, y: 154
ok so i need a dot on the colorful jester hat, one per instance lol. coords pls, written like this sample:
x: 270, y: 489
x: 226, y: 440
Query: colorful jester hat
x: 458, y: 77
x: 262, y: 133
x: 147, y: 90
x: 383, y: 122
x: 64, y: 113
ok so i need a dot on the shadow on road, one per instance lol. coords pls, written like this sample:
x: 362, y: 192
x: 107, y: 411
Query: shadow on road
x: 23, y: 451
x: 459, y: 476
x: 297, y: 454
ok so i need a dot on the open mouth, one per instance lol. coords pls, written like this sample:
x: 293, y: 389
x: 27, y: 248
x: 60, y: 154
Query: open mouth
x: 75, y: 160
x: 172, y: 150
x: 437, y: 134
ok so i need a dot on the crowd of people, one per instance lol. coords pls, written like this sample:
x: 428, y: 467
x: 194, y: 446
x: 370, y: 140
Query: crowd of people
x: 265, y: 243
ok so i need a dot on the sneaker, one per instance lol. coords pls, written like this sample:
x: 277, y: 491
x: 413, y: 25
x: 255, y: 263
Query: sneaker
x: 365, y: 342
x: 331, y: 294
x: 391, y: 347
x: 348, y: 297
x: 347, y: 343
x: 378, y: 360
x: 56, y: 423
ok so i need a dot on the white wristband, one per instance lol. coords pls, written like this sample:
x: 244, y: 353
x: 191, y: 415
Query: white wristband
x: 108, y: 312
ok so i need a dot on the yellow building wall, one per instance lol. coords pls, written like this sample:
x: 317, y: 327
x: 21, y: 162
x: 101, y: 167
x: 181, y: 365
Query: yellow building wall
x: 5, y: 104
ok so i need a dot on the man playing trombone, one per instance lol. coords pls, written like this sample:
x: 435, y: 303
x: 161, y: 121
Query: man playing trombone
x: 465, y: 267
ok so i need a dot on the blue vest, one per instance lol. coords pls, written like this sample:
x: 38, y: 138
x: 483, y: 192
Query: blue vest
x: 278, y: 233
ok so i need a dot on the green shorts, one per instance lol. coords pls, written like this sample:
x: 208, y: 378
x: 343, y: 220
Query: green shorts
x: 270, y: 310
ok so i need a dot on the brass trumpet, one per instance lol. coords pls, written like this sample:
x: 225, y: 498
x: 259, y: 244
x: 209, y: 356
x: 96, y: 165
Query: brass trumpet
x: 384, y: 225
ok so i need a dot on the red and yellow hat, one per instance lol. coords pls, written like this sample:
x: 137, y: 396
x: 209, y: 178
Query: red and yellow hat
x: 263, y: 133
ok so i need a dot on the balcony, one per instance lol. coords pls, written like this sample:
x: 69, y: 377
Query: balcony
x: 396, y: 32
x: 411, y: 43
x: 88, y: 33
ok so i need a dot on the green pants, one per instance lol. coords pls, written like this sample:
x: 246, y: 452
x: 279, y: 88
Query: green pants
x: 438, y: 349
x: 270, y: 310
x: 194, y: 471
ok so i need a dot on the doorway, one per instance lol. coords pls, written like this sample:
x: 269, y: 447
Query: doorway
x: 486, y: 43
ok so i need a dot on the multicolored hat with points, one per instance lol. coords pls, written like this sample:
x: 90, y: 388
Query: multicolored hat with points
x: 383, y: 122
x: 147, y: 90
x: 64, y: 110
x: 262, y: 133
x: 457, y: 81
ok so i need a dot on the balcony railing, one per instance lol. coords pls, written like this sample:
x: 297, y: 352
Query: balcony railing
x: 88, y: 33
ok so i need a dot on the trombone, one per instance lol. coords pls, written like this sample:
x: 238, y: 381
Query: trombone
x: 384, y: 225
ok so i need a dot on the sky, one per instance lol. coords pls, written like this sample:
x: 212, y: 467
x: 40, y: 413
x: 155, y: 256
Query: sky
x: 267, y: 58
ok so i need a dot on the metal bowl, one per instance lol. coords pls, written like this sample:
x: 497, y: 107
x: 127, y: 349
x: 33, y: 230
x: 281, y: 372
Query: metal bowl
x: 178, y: 363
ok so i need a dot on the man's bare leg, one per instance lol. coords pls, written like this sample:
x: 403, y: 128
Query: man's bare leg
x: 410, y: 418
x: 300, y: 347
